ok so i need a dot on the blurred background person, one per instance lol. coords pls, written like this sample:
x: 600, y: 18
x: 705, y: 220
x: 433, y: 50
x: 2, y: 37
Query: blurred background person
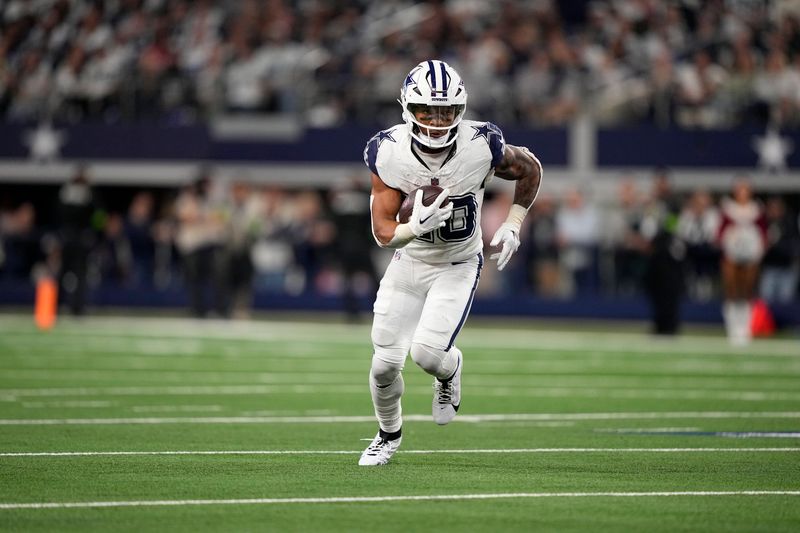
x: 622, y: 236
x: 577, y: 231
x: 112, y: 259
x: 244, y: 223
x: 20, y: 248
x: 77, y: 235
x: 664, y: 277
x: 138, y: 229
x: 780, y: 266
x: 540, y: 249
x: 698, y: 225
x: 353, y: 243
x: 198, y: 236
x: 742, y: 240
x: 311, y: 234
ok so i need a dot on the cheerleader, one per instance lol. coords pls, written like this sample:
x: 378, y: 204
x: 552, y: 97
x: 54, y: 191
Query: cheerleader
x: 742, y: 238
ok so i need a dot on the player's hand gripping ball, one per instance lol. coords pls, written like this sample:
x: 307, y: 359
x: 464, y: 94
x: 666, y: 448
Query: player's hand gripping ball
x: 429, y: 194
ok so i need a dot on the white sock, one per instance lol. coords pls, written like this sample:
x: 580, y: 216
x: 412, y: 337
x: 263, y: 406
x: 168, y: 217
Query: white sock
x: 449, y: 363
x: 729, y: 317
x: 386, y: 401
x: 743, y: 311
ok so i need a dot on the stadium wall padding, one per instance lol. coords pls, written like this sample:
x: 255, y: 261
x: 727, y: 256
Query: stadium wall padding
x: 644, y: 146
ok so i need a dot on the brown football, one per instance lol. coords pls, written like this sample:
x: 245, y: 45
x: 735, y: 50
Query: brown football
x: 429, y: 194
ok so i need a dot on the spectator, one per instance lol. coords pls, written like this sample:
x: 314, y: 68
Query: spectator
x: 622, y: 234
x: 112, y: 255
x: 350, y: 209
x: 19, y: 242
x: 311, y: 236
x: 742, y: 239
x: 244, y: 225
x: 698, y: 225
x: 197, y: 238
x: 138, y: 229
x: 781, y: 263
x: 577, y: 233
x: 664, y: 280
x: 699, y: 82
x: 541, y: 249
x: 77, y: 232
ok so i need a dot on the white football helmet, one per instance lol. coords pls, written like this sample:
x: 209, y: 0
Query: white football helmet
x: 434, y: 101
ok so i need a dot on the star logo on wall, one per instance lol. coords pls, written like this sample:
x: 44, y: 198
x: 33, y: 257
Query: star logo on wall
x: 44, y: 142
x: 773, y: 150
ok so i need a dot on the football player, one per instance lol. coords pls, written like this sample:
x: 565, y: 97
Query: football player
x: 426, y: 293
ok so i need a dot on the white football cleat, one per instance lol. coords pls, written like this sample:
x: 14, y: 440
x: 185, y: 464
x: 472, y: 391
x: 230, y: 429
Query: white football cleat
x: 447, y: 396
x: 379, y: 451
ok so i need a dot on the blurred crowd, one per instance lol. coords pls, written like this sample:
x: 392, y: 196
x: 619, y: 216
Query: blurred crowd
x: 221, y: 242
x: 708, y: 64
x: 578, y: 244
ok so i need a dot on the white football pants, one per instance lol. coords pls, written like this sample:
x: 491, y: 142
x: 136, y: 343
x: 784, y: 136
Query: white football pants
x: 420, y: 308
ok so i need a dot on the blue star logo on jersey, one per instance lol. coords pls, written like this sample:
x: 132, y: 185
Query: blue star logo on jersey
x: 486, y: 130
x: 383, y: 135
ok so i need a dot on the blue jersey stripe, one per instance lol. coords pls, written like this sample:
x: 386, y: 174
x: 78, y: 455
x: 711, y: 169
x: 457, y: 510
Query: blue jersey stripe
x: 469, y: 304
x: 371, y: 155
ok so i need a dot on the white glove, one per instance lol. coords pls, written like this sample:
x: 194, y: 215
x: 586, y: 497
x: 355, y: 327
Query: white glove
x: 508, y: 236
x: 427, y: 218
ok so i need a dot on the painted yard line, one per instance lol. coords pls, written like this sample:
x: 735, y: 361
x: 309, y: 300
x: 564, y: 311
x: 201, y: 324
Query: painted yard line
x: 103, y: 365
x: 522, y: 390
x: 312, y: 350
x: 401, y: 452
x: 643, y: 345
x: 337, y: 376
x: 328, y: 369
x: 378, y: 499
x: 414, y: 418
x: 612, y: 389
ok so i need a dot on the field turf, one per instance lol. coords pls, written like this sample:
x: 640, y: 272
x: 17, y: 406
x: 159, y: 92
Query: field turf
x: 163, y: 424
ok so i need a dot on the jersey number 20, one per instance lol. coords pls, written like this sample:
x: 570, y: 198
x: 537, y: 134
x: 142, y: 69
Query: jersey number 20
x: 461, y: 225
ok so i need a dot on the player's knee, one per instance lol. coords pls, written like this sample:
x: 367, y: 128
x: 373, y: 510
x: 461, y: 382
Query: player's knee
x: 384, y: 371
x: 427, y: 358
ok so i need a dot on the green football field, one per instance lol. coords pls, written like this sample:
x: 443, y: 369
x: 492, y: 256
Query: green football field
x: 164, y: 424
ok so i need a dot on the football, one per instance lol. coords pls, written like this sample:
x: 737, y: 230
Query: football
x: 429, y: 194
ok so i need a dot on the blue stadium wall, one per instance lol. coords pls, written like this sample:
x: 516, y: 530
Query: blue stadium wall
x: 644, y: 146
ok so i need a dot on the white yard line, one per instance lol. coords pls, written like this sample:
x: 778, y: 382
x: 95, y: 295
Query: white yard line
x: 379, y: 499
x: 402, y: 452
x: 512, y: 387
x: 674, y: 415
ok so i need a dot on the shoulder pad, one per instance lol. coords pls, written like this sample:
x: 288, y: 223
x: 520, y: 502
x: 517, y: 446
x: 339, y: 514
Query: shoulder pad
x: 493, y: 137
x: 371, y: 150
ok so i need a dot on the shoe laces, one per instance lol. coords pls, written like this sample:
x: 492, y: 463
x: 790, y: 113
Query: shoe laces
x: 444, y: 391
x: 377, y: 446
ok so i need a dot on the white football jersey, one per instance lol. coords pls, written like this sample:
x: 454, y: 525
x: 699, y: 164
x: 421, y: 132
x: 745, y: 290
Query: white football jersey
x: 469, y: 166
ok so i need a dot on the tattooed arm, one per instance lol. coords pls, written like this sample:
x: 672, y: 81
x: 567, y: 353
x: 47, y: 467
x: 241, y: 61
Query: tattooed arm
x: 520, y: 165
